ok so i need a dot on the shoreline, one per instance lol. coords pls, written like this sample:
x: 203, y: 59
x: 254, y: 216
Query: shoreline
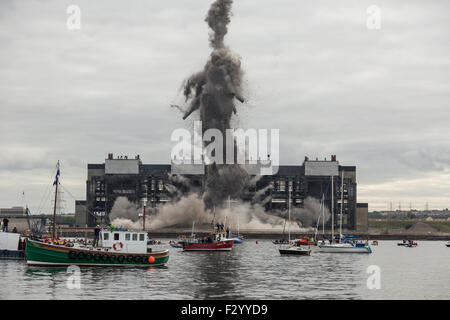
x: 271, y: 234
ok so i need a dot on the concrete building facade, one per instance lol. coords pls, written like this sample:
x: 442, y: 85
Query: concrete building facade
x: 130, y: 178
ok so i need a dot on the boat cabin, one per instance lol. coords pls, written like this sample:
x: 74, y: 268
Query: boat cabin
x: 124, y: 241
x: 220, y: 236
x: 11, y: 246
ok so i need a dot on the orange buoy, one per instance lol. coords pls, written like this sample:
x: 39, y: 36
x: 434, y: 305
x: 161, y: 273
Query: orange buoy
x: 151, y: 259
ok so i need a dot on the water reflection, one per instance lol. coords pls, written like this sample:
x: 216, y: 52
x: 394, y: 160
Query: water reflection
x: 249, y: 271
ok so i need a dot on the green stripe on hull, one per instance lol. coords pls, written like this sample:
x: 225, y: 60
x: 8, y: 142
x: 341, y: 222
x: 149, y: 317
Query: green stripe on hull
x: 37, y: 255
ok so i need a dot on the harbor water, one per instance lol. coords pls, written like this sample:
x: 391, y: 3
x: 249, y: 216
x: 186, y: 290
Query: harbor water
x: 252, y: 270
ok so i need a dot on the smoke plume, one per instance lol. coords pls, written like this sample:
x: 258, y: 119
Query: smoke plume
x: 213, y: 92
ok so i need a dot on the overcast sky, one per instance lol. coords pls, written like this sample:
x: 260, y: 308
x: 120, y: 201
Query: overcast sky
x: 378, y: 99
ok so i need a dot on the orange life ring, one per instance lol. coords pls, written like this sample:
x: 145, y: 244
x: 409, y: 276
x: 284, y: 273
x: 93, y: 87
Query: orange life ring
x: 115, y: 247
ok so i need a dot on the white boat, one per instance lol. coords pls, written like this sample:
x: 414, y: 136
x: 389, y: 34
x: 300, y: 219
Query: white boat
x: 344, y: 248
x: 341, y: 247
x: 237, y: 239
x: 448, y: 244
x: 293, y: 247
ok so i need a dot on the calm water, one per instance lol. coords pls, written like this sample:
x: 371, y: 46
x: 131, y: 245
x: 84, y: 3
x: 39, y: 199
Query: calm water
x: 250, y: 271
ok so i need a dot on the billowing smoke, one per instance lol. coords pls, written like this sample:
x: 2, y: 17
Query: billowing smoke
x: 181, y: 214
x: 214, y: 91
x: 124, y: 209
x: 307, y: 215
x: 251, y: 216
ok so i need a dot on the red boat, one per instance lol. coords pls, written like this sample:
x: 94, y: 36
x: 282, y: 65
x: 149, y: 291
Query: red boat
x: 305, y: 241
x: 217, y: 241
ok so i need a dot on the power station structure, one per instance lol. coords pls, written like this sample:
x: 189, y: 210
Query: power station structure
x: 155, y: 184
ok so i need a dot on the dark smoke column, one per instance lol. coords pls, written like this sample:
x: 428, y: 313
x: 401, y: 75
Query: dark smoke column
x: 213, y: 92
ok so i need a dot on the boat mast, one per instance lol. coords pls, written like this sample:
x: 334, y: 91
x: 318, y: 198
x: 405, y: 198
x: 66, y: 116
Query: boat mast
x: 342, y: 205
x: 193, y: 224
x: 318, y: 221
x: 56, y: 198
x: 323, y: 215
x: 289, y: 213
x: 332, y: 208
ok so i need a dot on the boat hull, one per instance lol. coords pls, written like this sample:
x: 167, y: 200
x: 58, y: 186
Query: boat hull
x: 336, y: 249
x: 215, y: 246
x: 295, y: 252
x: 42, y: 254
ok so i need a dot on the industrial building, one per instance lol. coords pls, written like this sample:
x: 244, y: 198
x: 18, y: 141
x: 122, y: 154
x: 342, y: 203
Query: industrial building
x: 13, y: 212
x: 129, y: 177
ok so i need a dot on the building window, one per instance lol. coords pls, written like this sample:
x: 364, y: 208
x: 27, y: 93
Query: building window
x: 127, y: 236
x: 116, y: 236
x: 281, y: 185
x: 160, y: 185
x: 141, y: 237
x: 134, y: 236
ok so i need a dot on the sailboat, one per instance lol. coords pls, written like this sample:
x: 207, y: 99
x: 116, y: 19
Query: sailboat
x: 341, y: 247
x: 293, y: 248
x: 237, y: 239
x: 116, y: 248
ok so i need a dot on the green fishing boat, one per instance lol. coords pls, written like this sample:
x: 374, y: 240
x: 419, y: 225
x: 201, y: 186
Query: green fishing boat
x: 116, y: 248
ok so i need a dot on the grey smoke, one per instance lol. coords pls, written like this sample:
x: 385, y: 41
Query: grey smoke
x: 212, y: 91
x: 308, y: 215
x: 124, y: 209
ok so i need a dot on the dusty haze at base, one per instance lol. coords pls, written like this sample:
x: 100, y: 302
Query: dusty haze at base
x: 192, y: 208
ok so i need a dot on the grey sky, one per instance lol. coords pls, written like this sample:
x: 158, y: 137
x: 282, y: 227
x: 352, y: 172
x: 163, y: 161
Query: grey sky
x: 378, y: 99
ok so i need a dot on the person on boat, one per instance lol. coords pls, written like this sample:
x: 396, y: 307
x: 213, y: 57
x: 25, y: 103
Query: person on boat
x: 5, y: 224
x: 96, y: 235
x: 14, y: 230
